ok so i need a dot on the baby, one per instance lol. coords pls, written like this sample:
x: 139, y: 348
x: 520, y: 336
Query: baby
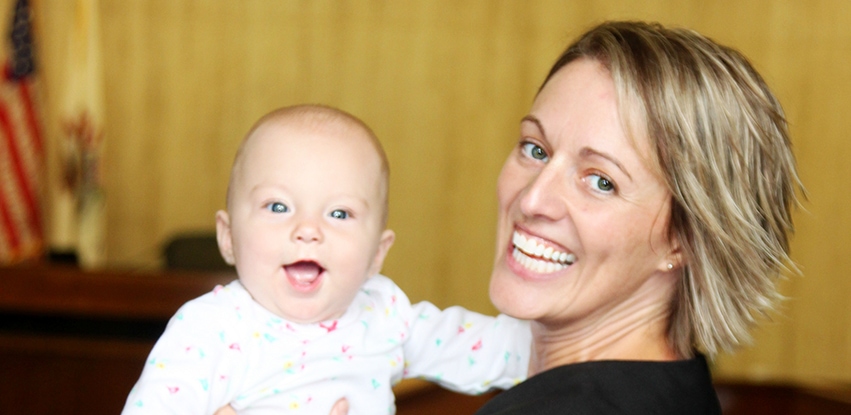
x: 309, y: 319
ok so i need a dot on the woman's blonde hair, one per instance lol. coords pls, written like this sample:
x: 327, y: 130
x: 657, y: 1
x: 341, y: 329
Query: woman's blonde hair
x: 719, y: 139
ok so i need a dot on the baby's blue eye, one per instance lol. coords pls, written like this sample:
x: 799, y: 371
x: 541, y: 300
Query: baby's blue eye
x: 339, y: 214
x: 601, y: 183
x: 535, y: 151
x: 277, y: 207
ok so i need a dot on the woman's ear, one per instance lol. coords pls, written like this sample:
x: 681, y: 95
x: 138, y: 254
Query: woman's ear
x: 387, y: 238
x: 223, y: 236
x: 674, y: 259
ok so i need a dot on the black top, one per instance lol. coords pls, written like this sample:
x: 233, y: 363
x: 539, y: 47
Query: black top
x: 613, y: 387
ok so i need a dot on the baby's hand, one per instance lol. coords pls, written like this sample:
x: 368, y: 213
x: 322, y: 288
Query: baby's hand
x: 227, y: 410
x: 340, y: 408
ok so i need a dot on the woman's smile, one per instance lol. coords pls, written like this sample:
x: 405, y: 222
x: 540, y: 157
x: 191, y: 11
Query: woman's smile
x: 539, y: 257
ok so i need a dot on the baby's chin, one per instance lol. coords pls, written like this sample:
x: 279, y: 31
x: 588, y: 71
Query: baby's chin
x: 309, y: 314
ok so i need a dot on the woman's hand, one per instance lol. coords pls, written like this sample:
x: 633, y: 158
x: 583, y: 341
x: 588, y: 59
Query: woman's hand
x: 339, y: 408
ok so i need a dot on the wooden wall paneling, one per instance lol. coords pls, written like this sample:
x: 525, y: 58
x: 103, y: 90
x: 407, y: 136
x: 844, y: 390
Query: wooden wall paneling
x: 444, y: 86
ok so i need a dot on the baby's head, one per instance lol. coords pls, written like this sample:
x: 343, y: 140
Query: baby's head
x: 306, y: 211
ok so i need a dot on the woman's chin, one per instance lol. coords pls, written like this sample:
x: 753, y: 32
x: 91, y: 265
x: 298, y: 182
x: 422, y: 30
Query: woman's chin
x: 511, y: 299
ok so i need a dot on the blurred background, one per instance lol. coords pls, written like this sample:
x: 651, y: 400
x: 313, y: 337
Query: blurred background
x: 143, y: 104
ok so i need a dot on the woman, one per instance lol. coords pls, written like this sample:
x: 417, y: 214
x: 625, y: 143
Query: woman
x: 643, y: 221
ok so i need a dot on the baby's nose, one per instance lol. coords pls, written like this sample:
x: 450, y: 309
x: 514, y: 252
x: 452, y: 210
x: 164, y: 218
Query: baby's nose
x: 307, y: 231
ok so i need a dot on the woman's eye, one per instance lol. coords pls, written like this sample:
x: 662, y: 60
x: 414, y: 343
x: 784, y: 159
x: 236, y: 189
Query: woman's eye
x: 339, y: 214
x: 535, y: 151
x: 600, y: 183
x: 277, y: 207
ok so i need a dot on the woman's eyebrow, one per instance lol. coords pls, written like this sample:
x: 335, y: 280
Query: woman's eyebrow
x: 533, y: 120
x: 587, y: 151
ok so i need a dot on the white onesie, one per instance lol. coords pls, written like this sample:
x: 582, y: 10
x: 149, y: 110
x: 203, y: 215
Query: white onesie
x: 224, y: 348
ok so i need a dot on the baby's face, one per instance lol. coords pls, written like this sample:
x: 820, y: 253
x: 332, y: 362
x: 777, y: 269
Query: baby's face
x: 305, y: 219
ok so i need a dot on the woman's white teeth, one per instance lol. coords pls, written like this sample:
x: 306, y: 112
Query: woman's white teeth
x: 539, y: 258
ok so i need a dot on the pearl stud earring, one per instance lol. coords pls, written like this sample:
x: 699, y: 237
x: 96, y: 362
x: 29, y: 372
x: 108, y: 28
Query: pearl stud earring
x: 670, y: 266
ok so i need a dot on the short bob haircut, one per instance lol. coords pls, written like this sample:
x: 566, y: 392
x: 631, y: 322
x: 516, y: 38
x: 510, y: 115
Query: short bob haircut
x: 719, y: 139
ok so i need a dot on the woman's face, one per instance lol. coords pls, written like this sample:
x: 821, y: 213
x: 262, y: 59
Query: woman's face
x: 582, y: 233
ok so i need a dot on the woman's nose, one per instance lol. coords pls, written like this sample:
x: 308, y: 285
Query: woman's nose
x: 545, y: 195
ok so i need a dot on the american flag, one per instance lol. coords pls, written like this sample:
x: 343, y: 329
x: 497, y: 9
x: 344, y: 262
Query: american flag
x: 21, y: 147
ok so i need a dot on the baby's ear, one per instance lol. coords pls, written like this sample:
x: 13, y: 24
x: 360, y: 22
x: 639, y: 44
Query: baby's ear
x: 223, y: 236
x: 387, y: 238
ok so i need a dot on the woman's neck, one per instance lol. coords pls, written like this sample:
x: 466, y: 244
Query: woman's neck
x: 634, y: 331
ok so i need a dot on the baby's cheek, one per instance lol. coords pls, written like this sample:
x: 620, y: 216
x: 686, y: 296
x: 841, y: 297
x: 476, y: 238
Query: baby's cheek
x: 263, y: 244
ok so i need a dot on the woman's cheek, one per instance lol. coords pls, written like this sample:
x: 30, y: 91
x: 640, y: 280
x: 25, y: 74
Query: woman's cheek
x: 509, y: 185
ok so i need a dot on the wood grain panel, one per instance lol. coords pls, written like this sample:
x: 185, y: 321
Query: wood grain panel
x: 443, y: 84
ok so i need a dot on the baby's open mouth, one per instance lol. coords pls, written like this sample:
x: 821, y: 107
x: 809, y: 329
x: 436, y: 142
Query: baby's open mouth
x: 304, y: 273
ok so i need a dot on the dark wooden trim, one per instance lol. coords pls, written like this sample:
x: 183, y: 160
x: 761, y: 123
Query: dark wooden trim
x: 69, y: 291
